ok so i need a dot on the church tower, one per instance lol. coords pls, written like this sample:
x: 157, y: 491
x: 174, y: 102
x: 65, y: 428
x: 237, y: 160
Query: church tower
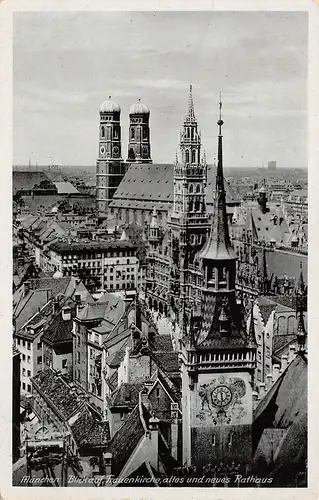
x: 110, y: 168
x: 218, y: 355
x: 188, y: 222
x: 139, y: 146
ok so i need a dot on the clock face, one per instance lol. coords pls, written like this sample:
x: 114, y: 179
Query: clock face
x: 221, y: 396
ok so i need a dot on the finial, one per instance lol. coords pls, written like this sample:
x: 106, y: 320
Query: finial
x: 190, y: 113
x: 220, y: 122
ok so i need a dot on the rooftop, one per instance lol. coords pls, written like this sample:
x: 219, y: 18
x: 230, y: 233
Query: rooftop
x: 92, y: 246
x: 58, y: 392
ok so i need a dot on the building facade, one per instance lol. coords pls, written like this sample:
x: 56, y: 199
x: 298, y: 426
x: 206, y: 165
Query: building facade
x: 101, y: 265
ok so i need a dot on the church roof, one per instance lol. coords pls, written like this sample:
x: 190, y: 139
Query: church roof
x: 154, y: 182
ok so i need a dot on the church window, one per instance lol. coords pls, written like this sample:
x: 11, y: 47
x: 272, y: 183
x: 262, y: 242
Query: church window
x: 115, y: 133
x: 132, y: 133
x: 213, y: 440
x: 198, y: 188
x: 191, y: 188
x: 193, y: 156
x: 187, y: 156
x: 102, y: 131
x: 144, y: 133
x: 192, y: 134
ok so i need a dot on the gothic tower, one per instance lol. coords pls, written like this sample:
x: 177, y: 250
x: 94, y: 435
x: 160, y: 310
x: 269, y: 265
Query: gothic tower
x: 218, y: 355
x: 188, y: 222
x: 139, y: 146
x: 110, y: 168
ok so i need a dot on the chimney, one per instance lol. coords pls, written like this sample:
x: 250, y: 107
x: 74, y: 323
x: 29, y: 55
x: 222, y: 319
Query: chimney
x: 262, y: 390
x: 26, y: 288
x: 284, y: 362
x: 174, y: 430
x: 292, y: 353
x: 55, y: 306
x: 269, y: 381
x: 276, y: 372
x: 66, y: 313
x: 107, y: 458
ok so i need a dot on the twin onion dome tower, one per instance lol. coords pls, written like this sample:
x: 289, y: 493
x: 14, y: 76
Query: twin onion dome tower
x: 110, y: 167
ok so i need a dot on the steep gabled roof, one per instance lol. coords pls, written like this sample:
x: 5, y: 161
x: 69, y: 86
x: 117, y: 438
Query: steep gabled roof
x: 126, y: 439
x: 88, y: 432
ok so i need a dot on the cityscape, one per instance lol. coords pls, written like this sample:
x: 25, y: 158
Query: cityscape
x: 160, y: 307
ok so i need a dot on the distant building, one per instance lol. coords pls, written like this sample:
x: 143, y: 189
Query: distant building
x: 272, y: 166
x: 101, y: 265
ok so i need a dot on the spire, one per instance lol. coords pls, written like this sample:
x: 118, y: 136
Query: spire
x: 218, y: 245
x: 190, y: 117
x: 251, y: 331
x: 301, y: 298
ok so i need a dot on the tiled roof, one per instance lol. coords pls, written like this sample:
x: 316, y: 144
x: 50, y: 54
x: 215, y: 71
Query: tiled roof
x: 75, y: 247
x: 26, y: 180
x: 162, y: 343
x: 58, y: 331
x: 125, y: 440
x: 112, y: 381
x: 287, y: 397
x: 265, y: 227
x: 110, y: 309
x: 154, y: 182
x: 281, y: 262
x: 127, y: 395
x: 168, y: 361
x: 58, y: 392
x: 89, y: 432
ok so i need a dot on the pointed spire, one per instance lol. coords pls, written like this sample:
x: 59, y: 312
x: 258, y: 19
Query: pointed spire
x: 301, y: 298
x: 251, y: 331
x: 190, y: 117
x: 218, y: 245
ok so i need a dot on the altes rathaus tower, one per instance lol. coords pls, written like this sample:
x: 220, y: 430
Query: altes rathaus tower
x: 218, y: 355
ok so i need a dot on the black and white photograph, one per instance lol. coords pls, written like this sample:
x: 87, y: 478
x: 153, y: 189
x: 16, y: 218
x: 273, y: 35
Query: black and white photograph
x: 159, y: 249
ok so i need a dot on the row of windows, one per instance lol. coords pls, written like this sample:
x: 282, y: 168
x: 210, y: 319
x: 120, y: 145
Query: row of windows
x: 26, y: 358
x: 26, y: 373
x: 96, y: 259
x: 25, y: 387
x: 23, y: 343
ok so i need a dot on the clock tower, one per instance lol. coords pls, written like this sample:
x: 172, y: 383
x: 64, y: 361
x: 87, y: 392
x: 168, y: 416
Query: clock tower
x: 218, y: 355
x: 110, y: 168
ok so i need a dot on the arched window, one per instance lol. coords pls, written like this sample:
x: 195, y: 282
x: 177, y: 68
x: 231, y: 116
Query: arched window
x: 191, y: 188
x: 102, y: 131
x: 193, y: 156
x: 132, y: 133
x: 198, y: 188
x: 187, y: 156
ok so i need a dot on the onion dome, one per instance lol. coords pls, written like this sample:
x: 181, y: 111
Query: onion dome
x: 110, y: 106
x: 139, y: 109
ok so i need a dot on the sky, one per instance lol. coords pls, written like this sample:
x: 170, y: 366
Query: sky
x: 66, y: 64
